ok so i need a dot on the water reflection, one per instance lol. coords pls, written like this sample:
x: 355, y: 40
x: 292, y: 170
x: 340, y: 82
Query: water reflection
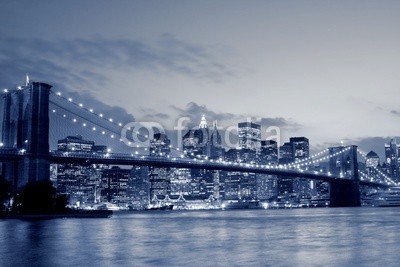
x: 312, y: 237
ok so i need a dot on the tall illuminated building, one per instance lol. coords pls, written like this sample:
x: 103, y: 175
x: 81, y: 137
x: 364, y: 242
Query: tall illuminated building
x: 196, y: 142
x: 301, y: 148
x: 392, y: 159
x: 372, y: 163
x: 202, y: 142
x: 114, y: 186
x: 216, y: 149
x: 159, y: 177
x: 249, y: 134
x: 269, y: 152
x: 286, y: 153
x: 160, y: 145
x: 267, y: 184
x: 81, y: 183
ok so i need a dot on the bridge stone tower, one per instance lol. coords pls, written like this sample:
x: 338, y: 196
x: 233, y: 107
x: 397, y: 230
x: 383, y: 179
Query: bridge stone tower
x: 26, y: 128
x: 344, y: 192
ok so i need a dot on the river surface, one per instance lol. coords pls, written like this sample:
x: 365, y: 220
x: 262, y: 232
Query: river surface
x: 298, y: 237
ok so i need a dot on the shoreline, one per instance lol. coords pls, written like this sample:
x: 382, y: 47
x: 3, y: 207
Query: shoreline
x: 65, y: 215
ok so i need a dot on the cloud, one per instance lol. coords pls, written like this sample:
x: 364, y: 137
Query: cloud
x: 395, y: 112
x: 82, y: 63
x: 194, y: 111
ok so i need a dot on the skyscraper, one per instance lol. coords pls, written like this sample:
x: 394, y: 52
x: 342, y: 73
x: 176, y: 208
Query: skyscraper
x: 267, y: 184
x: 159, y: 177
x: 268, y: 152
x: 249, y: 135
x: 301, y: 148
x: 114, y: 186
x: 372, y: 160
x: 392, y: 156
x: 372, y: 163
x: 216, y: 149
x: 286, y: 153
x: 80, y: 183
x: 196, y: 142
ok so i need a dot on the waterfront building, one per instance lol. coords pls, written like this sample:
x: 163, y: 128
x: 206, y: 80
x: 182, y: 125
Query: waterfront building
x: 159, y: 178
x: 285, y: 184
x: 301, y: 150
x: 139, y: 187
x: 114, y: 186
x: 241, y: 186
x: 203, y: 143
x: 81, y: 183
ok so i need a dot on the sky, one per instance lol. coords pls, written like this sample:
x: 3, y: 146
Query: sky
x: 327, y: 70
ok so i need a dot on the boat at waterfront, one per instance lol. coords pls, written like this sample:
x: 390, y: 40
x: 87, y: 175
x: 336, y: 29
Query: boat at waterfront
x: 163, y: 207
x: 387, y: 198
x: 236, y: 204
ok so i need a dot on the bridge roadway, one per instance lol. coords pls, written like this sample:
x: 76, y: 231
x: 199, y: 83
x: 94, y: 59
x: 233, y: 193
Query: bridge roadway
x: 126, y: 159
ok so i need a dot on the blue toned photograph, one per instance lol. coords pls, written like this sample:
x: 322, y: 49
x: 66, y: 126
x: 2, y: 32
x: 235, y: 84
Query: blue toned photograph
x: 199, y: 133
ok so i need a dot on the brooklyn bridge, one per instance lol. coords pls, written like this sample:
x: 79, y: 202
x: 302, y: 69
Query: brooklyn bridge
x: 26, y: 154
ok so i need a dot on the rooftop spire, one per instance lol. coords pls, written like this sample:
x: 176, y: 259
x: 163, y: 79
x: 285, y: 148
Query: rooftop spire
x: 27, y: 80
x: 215, y: 124
x: 203, y: 122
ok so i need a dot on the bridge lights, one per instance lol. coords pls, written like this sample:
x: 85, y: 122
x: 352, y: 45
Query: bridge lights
x: 101, y: 115
x: 91, y: 110
x: 81, y: 105
x: 59, y: 93
x: 70, y: 99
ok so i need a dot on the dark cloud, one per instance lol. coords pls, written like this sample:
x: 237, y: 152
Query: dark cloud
x: 395, y: 112
x: 79, y: 63
x: 194, y: 111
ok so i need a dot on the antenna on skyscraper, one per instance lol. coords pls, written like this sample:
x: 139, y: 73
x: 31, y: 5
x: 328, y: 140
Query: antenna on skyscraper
x: 27, y: 80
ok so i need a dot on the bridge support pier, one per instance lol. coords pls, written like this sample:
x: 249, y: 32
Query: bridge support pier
x: 28, y: 109
x: 345, y: 193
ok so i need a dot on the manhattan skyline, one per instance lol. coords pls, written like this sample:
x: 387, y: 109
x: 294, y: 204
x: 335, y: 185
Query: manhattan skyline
x: 323, y: 70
